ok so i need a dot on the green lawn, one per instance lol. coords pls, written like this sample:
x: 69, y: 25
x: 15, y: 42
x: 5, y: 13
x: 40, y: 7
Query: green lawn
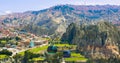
x: 76, y: 57
x: 73, y: 54
x: 38, y: 59
x: 62, y: 45
x: 3, y: 56
x: 39, y: 49
x: 36, y: 50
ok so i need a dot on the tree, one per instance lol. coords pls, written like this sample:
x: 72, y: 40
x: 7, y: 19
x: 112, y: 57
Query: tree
x: 17, y: 38
x: 54, y: 58
x: 6, y: 52
x: 17, y: 58
x: 3, y: 42
x: 29, y: 55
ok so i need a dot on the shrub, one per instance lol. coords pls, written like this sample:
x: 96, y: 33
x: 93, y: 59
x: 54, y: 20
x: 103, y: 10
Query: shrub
x: 6, y: 52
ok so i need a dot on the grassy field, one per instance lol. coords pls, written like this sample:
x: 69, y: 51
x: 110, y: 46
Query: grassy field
x: 3, y: 56
x: 37, y: 59
x: 73, y: 54
x: 63, y: 45
x: 40, y: 49
x: 76, y: 57
x: 35, y: 50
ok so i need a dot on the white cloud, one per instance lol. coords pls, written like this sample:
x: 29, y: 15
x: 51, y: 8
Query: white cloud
x: 8, y: 12
x: 5, y: 12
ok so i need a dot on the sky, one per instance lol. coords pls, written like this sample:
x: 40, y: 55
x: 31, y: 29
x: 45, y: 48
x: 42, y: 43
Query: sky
x: 9, y: 6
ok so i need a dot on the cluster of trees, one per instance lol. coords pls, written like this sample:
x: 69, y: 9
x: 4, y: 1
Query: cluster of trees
x: 54, y: 58
x: 9, y: 40
x: 50, y: 58
x: 6, y: 52
x: 29, y: 55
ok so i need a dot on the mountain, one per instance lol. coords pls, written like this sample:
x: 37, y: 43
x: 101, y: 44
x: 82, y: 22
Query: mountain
x: 96, y: 41
x: 53, y: 21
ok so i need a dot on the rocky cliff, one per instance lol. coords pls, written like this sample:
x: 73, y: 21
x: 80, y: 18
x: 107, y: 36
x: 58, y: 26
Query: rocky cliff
x: 100, y: 40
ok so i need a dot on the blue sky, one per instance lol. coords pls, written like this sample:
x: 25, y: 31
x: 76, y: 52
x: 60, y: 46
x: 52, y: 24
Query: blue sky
x: 8, y: 6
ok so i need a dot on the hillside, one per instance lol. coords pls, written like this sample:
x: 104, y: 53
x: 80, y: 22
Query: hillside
x: 54, y: 20
x: 95, y: 41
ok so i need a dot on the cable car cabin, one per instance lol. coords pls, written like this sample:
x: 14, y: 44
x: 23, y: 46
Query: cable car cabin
x: 52, y: 49
x: 31, y: 44
x: 66, y: 53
